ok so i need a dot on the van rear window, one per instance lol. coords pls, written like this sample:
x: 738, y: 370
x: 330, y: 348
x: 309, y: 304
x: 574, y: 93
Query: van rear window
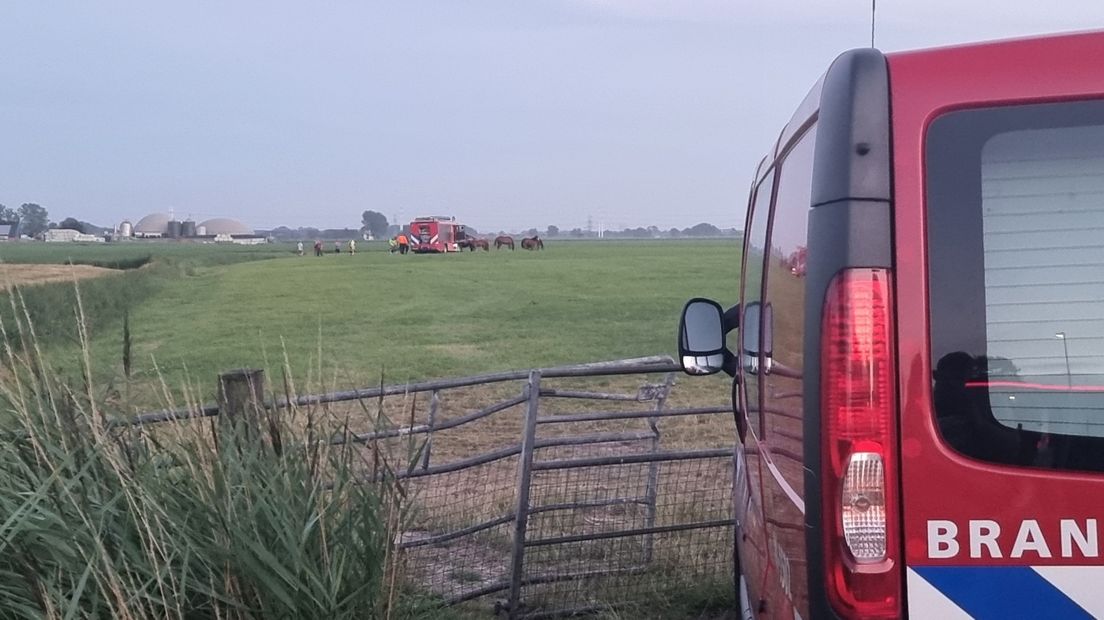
x: 1015, y: 208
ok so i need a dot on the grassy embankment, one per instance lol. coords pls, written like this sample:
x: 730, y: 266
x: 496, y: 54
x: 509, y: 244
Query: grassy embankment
x: 143, y: 269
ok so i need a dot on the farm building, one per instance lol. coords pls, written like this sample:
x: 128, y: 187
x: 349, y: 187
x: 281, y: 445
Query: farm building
x: 241, y: 239
x: 161, y: 225
x: 225, y: 226
x: 55, y: 235
x: 68, y: 235
x: 9, y: 230
x: 153, y: 225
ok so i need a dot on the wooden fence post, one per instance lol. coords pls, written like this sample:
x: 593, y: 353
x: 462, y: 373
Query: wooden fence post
x: 241, y: 393
x: 525, y: 473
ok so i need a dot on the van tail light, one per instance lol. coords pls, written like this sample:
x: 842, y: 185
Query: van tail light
x: 861, y: 508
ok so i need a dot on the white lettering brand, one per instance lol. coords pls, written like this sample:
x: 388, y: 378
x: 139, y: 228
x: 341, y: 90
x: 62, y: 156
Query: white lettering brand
x: 941, y: 539
x: 984, y: 534
x: 1086, y: 539
x: 1079, y: 539
x: 1030, y: 538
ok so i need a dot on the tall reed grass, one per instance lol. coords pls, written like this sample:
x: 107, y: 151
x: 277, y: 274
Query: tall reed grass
x: 250, y: 517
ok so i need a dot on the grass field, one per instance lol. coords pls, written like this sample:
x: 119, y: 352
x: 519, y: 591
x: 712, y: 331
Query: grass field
x: 401, y: 318
x: 347, y: 321
x: 136, y: 253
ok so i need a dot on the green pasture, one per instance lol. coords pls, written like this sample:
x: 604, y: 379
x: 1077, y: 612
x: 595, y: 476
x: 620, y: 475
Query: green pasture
x: 243, y: 528
x: 377, y: 316
x: 136, y: 253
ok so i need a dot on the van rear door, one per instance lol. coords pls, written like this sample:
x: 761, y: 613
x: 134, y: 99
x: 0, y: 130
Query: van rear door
x: 999, y: 248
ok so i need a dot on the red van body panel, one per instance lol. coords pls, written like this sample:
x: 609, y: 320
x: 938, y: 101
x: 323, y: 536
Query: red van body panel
x: 924, y: 85
x: 940, y: 485
x: 1048, y: 518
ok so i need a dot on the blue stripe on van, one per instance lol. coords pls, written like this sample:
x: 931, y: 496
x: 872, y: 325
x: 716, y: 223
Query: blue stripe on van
x: 999, y: 592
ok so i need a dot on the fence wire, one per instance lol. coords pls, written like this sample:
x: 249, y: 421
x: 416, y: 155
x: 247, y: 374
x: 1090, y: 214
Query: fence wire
x: 548, y: 493
x: 594, y: 533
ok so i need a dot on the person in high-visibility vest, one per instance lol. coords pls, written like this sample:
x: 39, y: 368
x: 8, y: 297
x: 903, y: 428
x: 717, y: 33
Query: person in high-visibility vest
x: 392, y: 245
x: 404, y: 245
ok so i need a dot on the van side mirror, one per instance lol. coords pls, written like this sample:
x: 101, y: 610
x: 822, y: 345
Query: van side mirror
x: 755, y: 314
x: 701, y: 339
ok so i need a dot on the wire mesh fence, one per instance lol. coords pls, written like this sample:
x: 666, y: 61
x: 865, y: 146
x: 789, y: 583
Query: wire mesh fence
x: 549, y: 492
x: 582, y: 507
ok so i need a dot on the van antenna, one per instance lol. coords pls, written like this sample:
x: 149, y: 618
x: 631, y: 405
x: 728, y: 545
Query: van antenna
x: 873, y: 7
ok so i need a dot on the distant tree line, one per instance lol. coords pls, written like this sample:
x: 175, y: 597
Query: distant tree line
x: 650, y: 232
x: 372, y: 223
x: 377, y: 224
x: 34, y: 219
x: 284, y: 233
x: 87, y: 228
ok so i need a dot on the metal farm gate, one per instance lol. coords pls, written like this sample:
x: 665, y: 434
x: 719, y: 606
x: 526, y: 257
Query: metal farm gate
x: 550, y: 492
x: 585, y: 509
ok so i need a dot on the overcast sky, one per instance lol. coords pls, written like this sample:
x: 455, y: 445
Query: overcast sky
x: 510, y: 114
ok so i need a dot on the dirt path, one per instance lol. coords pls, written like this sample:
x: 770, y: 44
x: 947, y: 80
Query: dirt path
x: 26, y: 275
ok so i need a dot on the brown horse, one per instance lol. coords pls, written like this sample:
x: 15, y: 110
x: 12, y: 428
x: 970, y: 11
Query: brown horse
x: 474, y: 244
x: 532, y: 243
x: 504, y: 240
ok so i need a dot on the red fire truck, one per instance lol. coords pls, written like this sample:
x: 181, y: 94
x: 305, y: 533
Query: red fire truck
x: 436, y: 234
x: 919, y: 401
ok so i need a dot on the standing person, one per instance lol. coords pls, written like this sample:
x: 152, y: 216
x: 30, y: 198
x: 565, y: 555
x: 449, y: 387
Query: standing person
x: 337, y: 247
x: 404, y: 245
x: 318, y: 247
x: 352, y: 246
x: 299, y: 248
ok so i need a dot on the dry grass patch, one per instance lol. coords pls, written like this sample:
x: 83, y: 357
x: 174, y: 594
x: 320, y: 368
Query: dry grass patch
x: 30, y: 275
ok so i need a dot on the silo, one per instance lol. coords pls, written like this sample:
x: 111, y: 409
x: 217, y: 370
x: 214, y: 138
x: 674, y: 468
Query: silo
x: 188, y: 229
x: 174, y: 229
x: 126, y: 229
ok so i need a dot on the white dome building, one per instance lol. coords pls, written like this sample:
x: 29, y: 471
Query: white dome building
x: 153, y: 225
x: 224, y: 226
